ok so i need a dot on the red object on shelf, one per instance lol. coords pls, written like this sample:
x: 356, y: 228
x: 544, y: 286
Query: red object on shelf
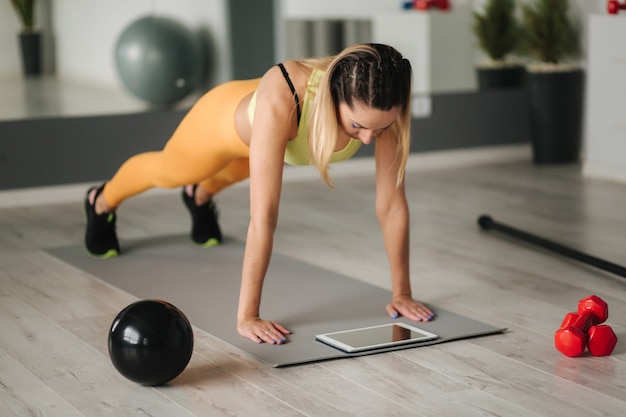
x: 614, y: 6
x: 431, y: 4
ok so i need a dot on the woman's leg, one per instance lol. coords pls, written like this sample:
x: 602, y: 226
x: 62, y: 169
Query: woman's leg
x: 237, y: 170
x: 203, y: 145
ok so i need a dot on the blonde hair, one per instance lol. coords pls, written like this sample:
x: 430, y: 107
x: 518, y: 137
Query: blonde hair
x: 374, y: 75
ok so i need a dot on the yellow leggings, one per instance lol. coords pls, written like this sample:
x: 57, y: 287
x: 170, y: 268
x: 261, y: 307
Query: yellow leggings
x: 205, y: 149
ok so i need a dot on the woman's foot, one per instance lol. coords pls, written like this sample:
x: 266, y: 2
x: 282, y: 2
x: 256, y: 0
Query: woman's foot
x: 100, y: 236
x: 205, y: 231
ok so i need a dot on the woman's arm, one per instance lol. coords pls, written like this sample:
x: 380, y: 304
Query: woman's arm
x: 274, y: 125
x: 392, y: 212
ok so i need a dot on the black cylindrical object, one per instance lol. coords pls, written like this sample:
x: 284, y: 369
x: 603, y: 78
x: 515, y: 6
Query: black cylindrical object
x: 488, y: 223
x: 500, y: 77
x: 30, y: 45
x: 555, y: 101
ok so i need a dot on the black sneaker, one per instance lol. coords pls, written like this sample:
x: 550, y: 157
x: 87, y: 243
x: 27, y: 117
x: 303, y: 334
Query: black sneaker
x: 100, y: 237
x: 205, y: 231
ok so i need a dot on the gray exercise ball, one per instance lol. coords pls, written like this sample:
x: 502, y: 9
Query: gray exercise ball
x: 159, y: 60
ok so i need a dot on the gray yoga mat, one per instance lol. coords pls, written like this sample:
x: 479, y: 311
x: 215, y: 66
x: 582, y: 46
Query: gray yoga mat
x: 308, y: 300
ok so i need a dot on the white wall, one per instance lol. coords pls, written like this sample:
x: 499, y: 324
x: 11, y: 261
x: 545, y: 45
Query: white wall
x: 436, y: 43
x: 9, y: 26
x: 84, y: 33
x: 605, y: 155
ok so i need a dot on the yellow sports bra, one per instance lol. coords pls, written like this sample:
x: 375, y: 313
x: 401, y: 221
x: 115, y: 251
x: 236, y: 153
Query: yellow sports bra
x: 296, y: 152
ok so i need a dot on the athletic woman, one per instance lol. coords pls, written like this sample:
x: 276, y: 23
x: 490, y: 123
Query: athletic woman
x: 315, y: 111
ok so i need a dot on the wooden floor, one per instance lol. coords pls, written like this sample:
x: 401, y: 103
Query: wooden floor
x: 54, y: 318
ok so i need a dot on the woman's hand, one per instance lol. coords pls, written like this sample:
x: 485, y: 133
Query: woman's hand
x: 259, y: 331
x: 409, y: 308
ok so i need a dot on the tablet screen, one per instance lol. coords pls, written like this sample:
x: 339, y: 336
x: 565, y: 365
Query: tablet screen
x: 375, y: 337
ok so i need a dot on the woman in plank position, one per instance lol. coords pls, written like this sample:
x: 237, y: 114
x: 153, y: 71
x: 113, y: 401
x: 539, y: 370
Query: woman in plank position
x: 314, y: 111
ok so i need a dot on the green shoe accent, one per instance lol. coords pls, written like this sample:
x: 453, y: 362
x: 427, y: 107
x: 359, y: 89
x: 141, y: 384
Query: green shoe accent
x: 209, y: 243
x: 108, y: 254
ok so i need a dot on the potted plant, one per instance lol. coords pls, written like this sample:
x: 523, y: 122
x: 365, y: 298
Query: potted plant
x: 499, y: 34
x: 554, y: 84
x: 29, y: 36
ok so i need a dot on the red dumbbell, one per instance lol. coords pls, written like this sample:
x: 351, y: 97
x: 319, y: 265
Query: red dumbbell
x: 571, y: 338
x: 614, y: 6
x: 601, y: 340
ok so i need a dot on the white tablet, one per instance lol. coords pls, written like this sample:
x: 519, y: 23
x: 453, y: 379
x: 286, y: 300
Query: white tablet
x: 375, y: 337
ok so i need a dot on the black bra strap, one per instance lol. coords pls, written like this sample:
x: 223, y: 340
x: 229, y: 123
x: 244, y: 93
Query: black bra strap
x: 293, y: 90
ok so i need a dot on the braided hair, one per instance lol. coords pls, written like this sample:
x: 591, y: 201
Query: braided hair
x: 369, y: 74
x: 375, y: 75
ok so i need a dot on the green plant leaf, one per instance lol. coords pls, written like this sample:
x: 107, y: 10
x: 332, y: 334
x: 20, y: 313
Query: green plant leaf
x: 550, y: 33
x: 25, y: 10
x: 497, y: 29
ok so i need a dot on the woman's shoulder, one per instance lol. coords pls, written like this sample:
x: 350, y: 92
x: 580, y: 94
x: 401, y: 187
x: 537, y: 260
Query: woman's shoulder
x: 274, y: 99
x: 274, y: 84
x: 294, y: 71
